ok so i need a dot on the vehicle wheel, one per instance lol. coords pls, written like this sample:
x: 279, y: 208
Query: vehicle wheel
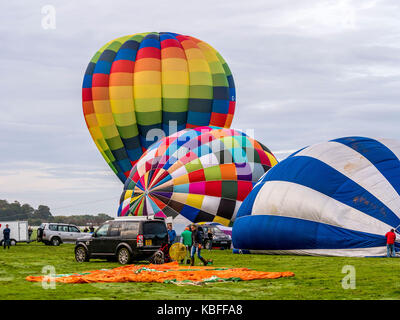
x: 123, y: 256
x: 55, y: 241
x: 81, y: 254
x: 13, y: 242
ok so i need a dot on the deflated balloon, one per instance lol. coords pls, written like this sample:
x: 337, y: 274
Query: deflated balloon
x: 203, y: 174
x: 141, y: 87
x: 337, y: 198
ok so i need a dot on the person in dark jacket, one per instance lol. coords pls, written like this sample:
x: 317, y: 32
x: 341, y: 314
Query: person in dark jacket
x: 197, y: 240
x: 6, y: 237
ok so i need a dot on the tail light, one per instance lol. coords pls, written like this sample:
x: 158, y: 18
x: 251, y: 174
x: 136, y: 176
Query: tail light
x: 139, y: 240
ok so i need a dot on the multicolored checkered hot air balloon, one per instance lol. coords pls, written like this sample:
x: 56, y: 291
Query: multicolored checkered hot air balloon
x: 203, y: 174
x: 141, y: 87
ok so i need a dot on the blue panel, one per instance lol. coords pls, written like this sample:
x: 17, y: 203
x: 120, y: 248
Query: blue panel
x: 220, y: 106
x: 199, y: 118
x: 103, y: 67
x: 318, y: 176
x: 264, y: 232
x: 182, y: 188
x: 87, y: 81
x: 125, y: 165
x: 126, y: 54
x: 189, y: 212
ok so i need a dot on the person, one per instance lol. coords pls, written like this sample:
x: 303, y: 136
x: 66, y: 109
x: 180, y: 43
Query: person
x: 29, y: 233
x: 6, y: 237
x: 197, y: 240
x: 86, y: 229
x: 210, y: 238
x: 186, y: 238
x: 171, y: 234
x: 91, y: 228
x: 390, y: 238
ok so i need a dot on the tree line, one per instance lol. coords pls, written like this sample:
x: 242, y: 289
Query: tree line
x: 15, y: 211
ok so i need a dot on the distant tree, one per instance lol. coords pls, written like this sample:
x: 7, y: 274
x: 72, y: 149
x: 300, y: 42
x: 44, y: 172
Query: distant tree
x: 42, y: 212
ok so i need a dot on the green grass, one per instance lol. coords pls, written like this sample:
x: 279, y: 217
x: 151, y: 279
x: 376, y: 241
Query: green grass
x: 315, y: 277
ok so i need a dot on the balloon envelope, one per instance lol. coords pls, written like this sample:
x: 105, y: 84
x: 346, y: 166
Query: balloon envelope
x: 141, y: 87
x: 337, y: 198
x: 203, y: 174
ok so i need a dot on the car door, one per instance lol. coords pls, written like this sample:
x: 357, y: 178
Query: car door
x: 62, y: 232
x: 113, y: 238
x: 98, y: 241
x: 74, y: 233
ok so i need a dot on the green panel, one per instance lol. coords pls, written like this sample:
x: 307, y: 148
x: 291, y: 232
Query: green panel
x: 175, y: 105
x: 229, y: 190
x: 149, y: 118
x: 201, y: 92
x: 212, y: 173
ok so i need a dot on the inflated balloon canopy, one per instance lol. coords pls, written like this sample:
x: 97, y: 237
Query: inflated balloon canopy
x: 203, y: 174
x: 335, y: 198
x: 156, y: 80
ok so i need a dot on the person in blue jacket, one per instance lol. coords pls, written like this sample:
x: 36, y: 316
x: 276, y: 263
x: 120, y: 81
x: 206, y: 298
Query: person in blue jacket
x: 6, y: 237
x: 171, y: 234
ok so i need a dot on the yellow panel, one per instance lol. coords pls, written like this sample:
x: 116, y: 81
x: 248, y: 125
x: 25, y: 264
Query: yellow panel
x: 175, y: 91
x: 197, y: 65
x: 181, y: 180
x: 175, y: 77
x: 91, y: 120
x: 195, y: 200
x: 147, y: 77
x: 221, y: 220
x: 200, y: 78
x: 174, y: 64
x: 105, y: 119
x: 122, y: 106
x: 128, y: 194
x: 147, y: 91
x: 121, y: 92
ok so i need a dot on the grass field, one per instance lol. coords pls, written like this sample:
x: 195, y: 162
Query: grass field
x: 315, y: 277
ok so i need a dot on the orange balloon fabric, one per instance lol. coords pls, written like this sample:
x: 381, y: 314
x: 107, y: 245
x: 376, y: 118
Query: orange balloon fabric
x: 165, y: 273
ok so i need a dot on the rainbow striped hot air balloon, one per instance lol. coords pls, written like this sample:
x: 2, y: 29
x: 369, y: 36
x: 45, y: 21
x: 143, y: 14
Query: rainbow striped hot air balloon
x: 203, y: 174
x: 141, y: 87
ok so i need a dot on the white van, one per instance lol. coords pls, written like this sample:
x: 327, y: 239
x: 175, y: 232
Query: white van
x: 19, y: 231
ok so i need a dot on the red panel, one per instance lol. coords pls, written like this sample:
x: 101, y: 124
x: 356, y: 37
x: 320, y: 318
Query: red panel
x: 149, y: 52
x: 244, y: 188
x: 213, y: 188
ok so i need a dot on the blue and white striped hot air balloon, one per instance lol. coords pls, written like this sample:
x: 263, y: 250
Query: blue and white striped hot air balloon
x: 337, y: 198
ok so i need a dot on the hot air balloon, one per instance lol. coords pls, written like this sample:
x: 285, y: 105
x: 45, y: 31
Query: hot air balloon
x: 336, y: 198
x: 141, y: 87
x: 203, y: 174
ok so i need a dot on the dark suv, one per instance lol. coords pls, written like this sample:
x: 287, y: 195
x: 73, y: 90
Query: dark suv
x: 123, y: 239
x: 220, y: 239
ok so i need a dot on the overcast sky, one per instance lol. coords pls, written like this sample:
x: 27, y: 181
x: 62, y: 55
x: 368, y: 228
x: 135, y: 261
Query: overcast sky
x: 305, y: 72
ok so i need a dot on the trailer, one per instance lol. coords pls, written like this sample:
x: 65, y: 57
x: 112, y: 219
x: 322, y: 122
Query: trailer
x: 19, y: 231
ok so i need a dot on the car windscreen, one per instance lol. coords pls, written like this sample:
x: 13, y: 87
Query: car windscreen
x: 157, y: 228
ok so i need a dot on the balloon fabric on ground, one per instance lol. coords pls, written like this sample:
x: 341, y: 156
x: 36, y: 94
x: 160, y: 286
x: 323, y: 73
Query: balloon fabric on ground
x: 163, y: 81
x: 337, y: 198
x: 165, y: 273
x: 203, y: 174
